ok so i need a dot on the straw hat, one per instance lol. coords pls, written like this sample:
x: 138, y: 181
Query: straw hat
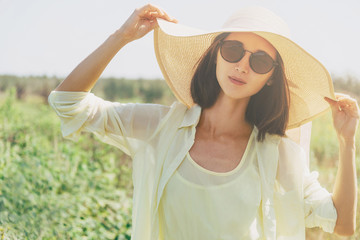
x: 178, y: 48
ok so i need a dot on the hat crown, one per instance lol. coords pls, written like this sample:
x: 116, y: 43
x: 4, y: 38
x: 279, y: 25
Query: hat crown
x: 257, y: 19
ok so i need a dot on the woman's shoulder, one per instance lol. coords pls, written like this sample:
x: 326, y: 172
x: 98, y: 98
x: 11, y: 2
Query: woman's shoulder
x: 287, y: 142
x: 182, y: 115
x: 288, y: 149
x: 291, y: 154
x: 282, y: 141
x: 171, y: 117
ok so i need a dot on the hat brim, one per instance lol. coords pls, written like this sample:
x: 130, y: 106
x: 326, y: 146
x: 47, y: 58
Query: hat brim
x: 178, y: 49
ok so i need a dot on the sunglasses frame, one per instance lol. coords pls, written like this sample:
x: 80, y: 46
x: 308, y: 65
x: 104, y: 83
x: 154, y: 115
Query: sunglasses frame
x: 274, y: 63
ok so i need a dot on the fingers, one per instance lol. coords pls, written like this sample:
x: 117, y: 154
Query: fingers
x: 333, y: 103
x: 152, y: 12
x: 330, y: 101
x: 350, y: 107
x: 344, y: 104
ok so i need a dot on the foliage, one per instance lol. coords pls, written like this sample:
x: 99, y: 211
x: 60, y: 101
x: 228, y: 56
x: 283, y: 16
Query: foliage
x: 30, y: 85
x: 112, y: 89
x: 51, y: 188
x: 151, y: 92
x: 118, y: 87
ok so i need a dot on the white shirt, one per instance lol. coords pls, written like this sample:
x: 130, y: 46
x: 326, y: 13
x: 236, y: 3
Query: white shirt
x: 158, y: 138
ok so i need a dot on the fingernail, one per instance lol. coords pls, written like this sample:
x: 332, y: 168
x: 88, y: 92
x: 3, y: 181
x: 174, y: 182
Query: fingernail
x: 330, y: 99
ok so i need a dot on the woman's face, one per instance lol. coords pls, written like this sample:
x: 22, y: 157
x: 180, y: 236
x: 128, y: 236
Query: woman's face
x: 238, y: 80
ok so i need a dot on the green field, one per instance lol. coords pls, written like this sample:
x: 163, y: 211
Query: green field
x: 52, y: 188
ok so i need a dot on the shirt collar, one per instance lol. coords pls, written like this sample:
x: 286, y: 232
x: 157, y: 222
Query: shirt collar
x: 192, y: 116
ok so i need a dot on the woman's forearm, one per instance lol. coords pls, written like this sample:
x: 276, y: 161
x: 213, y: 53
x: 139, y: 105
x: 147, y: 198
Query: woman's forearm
x: 345, y: 190
x: 85, y: 75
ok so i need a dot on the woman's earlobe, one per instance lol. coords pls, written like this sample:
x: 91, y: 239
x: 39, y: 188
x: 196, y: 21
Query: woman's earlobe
x: 269, y: 82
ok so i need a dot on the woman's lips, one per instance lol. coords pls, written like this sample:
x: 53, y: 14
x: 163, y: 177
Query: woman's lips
x: 237, y: 81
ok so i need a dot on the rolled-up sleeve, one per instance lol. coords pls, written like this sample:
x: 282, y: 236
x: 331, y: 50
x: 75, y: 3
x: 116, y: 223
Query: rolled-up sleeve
x: 319, y: 207
x: 294, y: 174
x: 122, y: 125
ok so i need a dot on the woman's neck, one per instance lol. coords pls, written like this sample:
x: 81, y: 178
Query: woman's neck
x: 226, y: 117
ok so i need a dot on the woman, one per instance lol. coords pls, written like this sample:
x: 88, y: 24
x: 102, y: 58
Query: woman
x: 221, y: 168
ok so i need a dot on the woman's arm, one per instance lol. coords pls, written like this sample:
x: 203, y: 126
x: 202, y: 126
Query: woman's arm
x: 85, y: 75
x: 345, y: 118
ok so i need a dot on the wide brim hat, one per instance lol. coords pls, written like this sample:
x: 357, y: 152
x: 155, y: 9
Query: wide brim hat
x: 178, y: 49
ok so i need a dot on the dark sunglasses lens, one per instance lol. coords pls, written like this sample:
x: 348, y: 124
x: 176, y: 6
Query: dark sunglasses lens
x: 232, y: 51
x: 261, y: 62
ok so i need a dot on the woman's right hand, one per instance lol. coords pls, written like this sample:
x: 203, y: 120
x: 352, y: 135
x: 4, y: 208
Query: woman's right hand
x: 85, y: 75
x: 142, y: 21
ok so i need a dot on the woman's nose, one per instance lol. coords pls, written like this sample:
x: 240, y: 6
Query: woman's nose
x: 243, y: 65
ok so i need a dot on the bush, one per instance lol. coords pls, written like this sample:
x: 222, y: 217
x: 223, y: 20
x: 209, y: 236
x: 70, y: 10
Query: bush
x: 51, y: 188
x: 118, y: 88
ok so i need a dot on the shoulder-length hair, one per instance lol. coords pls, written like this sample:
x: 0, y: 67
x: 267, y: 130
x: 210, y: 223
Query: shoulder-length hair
x: 268, y: 109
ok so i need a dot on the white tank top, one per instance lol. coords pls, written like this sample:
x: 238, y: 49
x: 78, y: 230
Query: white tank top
x: 201, y: 204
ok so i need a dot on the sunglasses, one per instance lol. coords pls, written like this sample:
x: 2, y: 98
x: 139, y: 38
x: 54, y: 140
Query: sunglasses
x: 233, y: 51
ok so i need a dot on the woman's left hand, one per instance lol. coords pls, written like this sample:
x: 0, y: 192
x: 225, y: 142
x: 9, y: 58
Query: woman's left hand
x: 345, y: 112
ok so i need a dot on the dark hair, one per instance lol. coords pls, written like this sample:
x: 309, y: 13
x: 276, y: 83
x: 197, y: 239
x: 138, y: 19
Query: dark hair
x: 268, y: 109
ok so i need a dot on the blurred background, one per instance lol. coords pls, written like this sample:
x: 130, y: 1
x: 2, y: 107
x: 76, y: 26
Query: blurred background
x: 51, y: 188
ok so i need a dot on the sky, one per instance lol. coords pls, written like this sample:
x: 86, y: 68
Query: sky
x: 50, y: 37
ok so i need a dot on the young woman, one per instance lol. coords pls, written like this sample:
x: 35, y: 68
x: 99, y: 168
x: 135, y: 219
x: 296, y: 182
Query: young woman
x: 217, y: 164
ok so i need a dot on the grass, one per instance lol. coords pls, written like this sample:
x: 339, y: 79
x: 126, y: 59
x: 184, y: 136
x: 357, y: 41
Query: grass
x: 51, y: 188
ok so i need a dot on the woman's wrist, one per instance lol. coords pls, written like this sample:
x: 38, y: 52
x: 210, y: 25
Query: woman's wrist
x: 347, y: 142
x: 120, y: 38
